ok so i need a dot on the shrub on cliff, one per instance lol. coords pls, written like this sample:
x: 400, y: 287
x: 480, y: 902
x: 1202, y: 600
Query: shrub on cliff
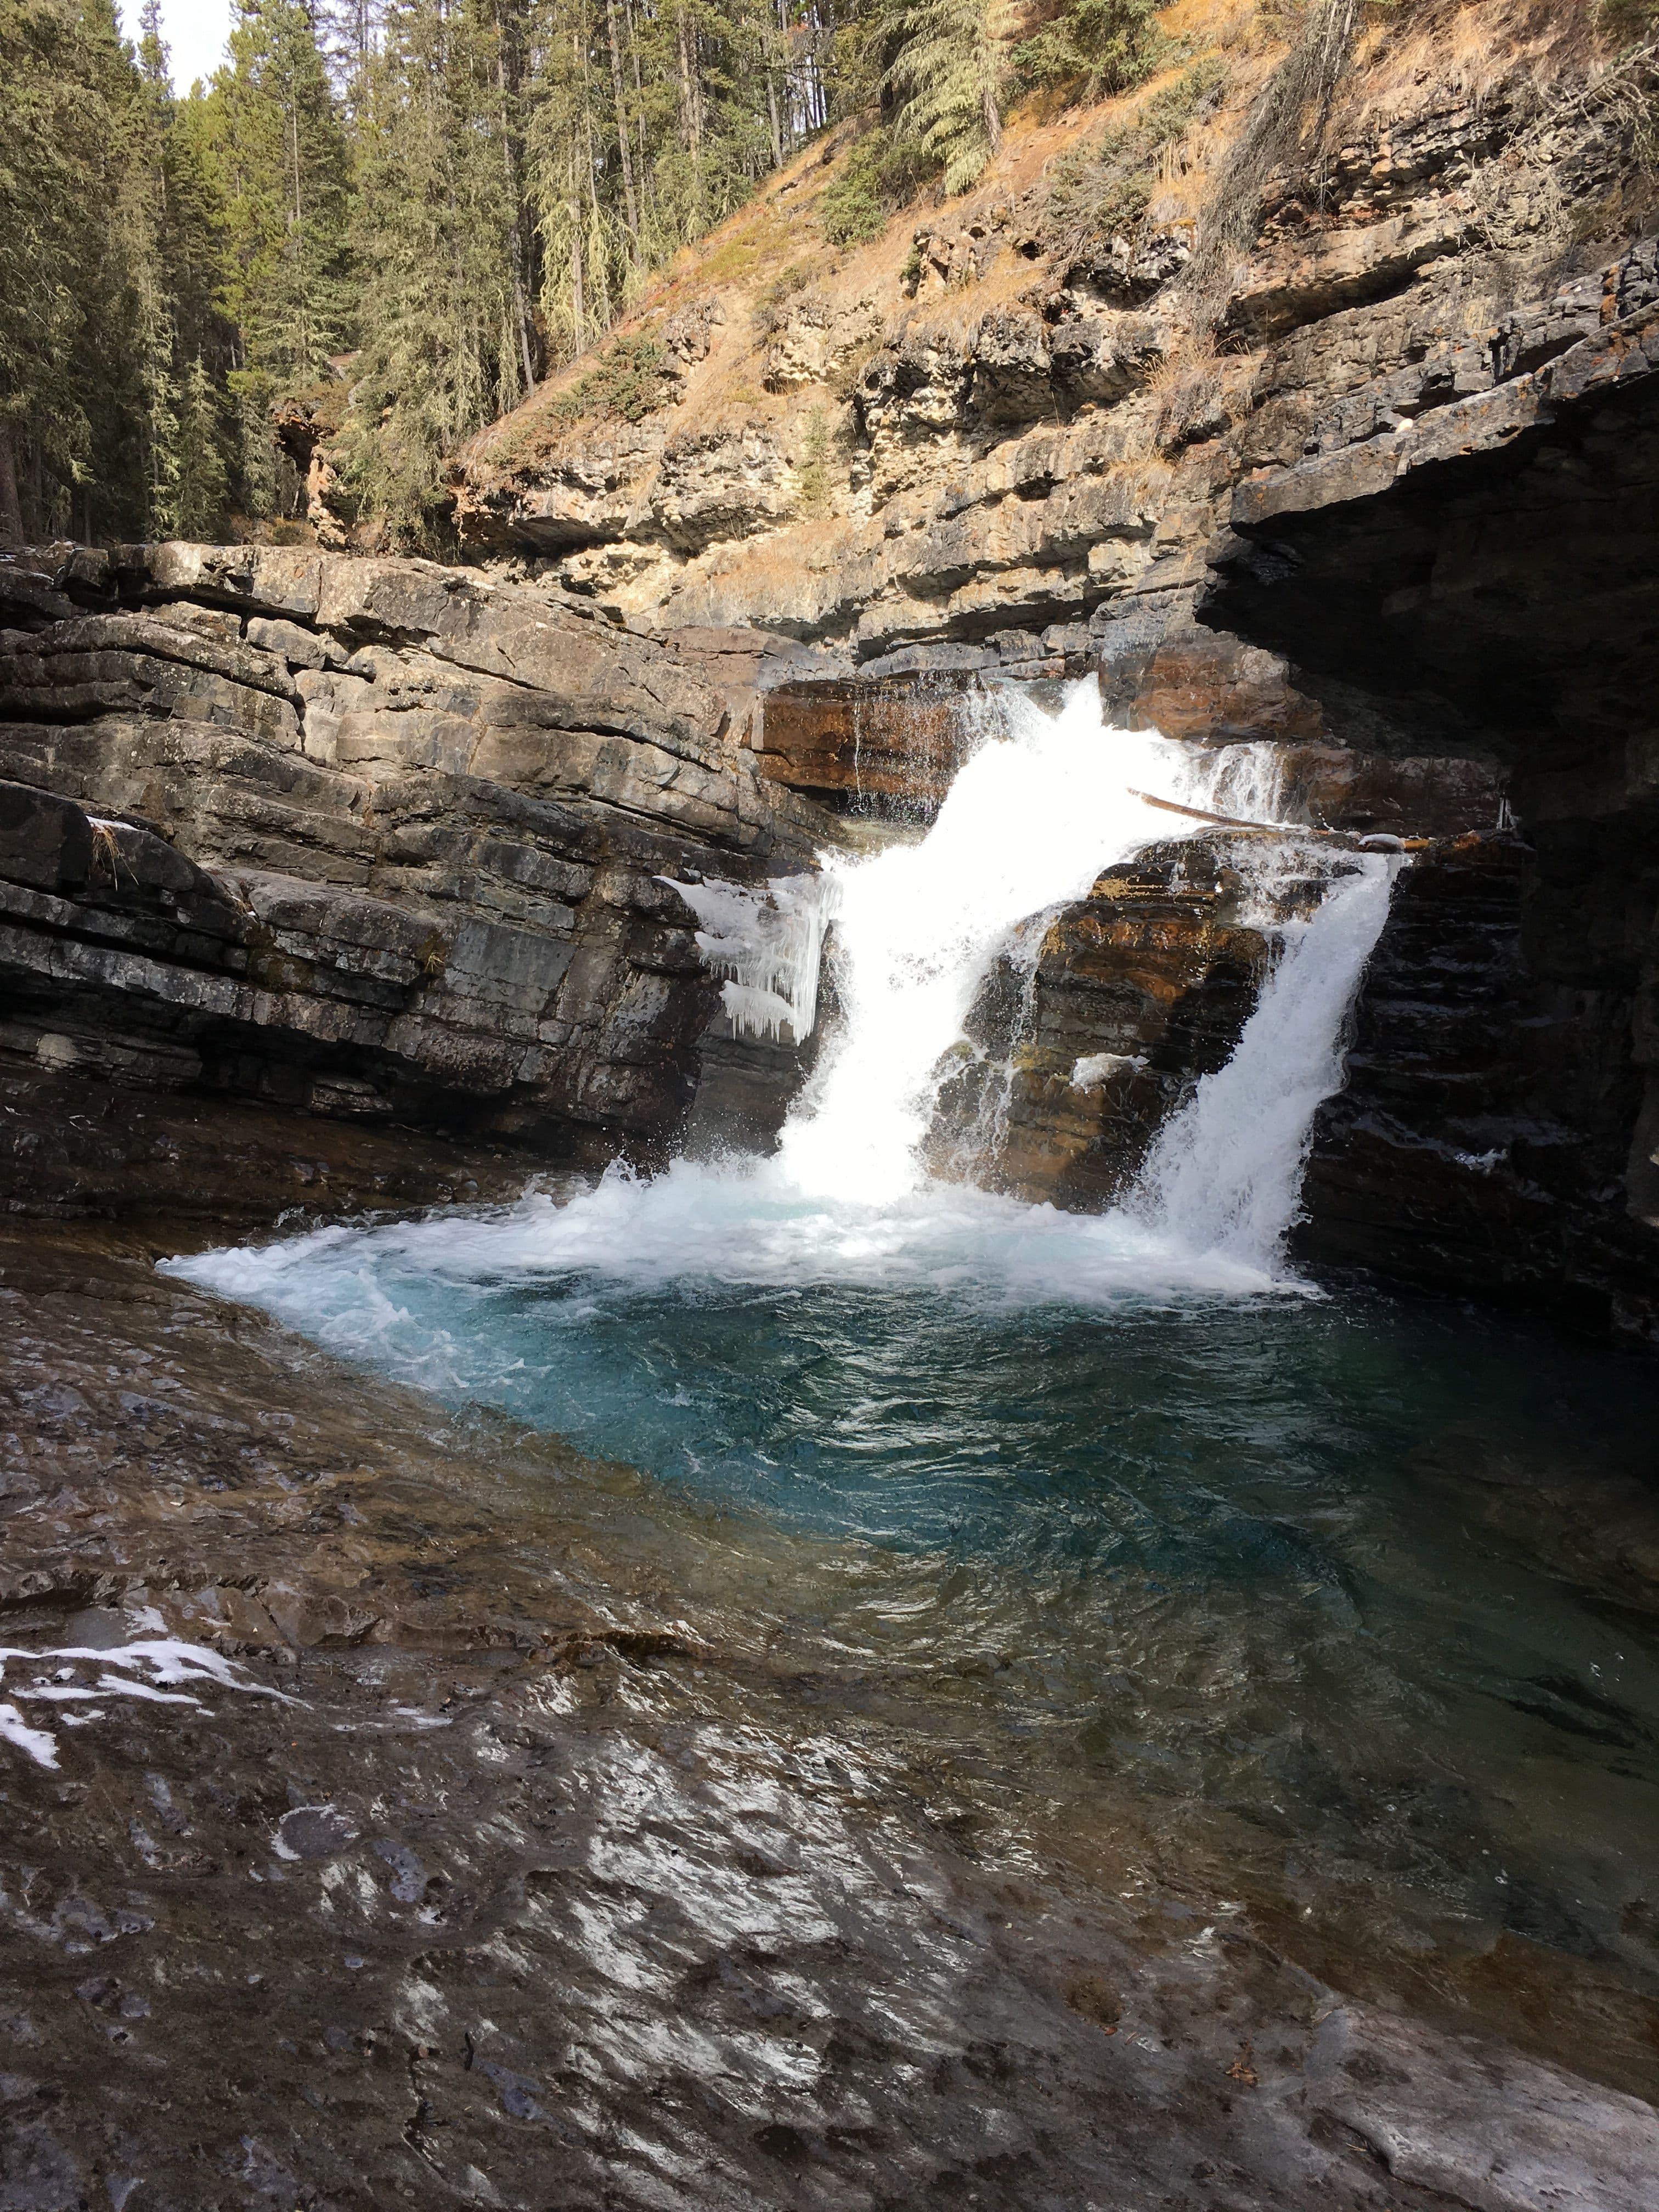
x: 628, y: 382
x: 1105, y: 187
x: 879, y: 177
x: 1101, y: 46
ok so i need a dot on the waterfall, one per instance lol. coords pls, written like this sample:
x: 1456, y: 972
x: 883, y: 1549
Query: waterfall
x: 1030, y: 822
x: 1046, y: 803
x: 1225, y: 1174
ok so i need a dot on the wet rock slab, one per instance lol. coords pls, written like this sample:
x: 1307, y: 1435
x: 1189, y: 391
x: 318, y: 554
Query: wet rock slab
x: 1068, y: 1070
x: 397, y: 1811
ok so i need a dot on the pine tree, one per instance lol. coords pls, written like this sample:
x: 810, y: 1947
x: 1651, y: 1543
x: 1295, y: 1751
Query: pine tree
x: 79, y: 281
x: 583, y: 112
x: 946, y: 83
x: 1099, y: 45
x: 349, y: 35
x: 201, y: 484
x: 648, y: 121
x: 278, y: 141
x: 248, y: 394
x: 445, y: 337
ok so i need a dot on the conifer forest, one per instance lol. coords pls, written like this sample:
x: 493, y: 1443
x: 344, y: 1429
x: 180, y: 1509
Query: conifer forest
x: 400, y: 215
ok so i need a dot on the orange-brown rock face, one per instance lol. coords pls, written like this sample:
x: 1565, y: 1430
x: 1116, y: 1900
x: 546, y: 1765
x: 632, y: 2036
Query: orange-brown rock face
x: 1069, y: 1070
x: 899, y: 740
x: 1199, y: 684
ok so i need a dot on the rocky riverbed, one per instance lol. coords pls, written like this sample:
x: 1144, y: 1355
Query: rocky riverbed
x: 402, y: 1809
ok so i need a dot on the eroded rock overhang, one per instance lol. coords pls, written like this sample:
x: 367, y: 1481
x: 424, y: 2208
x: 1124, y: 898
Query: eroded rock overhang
x: 1486, y: 580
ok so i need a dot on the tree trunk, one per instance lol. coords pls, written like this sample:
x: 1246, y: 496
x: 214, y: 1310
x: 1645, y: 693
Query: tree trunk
x: 646, y: 193
x: 690, y: 97
x: 523, y: 313
x: 630, y: 201
x: 11, y: 508
x: 578, y: 289
x: 515, y: 241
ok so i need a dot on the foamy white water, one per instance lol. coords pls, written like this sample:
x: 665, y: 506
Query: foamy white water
x: 1225, y: 1174
x: 1031, y: 820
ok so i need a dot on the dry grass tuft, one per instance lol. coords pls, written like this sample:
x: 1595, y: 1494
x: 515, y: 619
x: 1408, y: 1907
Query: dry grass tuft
x: 106, y: 861
x: 1293, y: 112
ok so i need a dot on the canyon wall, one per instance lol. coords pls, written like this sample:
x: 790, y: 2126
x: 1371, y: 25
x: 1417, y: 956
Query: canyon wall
x: 1307, y: 406
x: 1302, y: 406
x: 373, y: 842
x: 1005, y: 434
x: 1492, y: 573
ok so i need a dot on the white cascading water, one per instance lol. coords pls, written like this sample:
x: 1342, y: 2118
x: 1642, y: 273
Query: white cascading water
x: 1225, y: 1174
x: 1029, y: 823
x: 1039, y: 810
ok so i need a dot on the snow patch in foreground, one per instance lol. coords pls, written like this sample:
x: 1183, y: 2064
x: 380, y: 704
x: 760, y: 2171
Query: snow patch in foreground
x: 145, y: 1669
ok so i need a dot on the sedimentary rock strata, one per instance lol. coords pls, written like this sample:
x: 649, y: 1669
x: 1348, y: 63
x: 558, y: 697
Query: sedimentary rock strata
x: 1487, y: 575
x: 1040, y: 413
x: 373, y: 839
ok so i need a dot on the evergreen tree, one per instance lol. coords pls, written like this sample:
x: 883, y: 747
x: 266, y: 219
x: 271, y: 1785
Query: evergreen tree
x: 278, y: 144
x: 184, y: 342
x: 349, y: 35
x: 248, y: 394
x: 947, y: 81
x: 446, y: 343
x: 1099, y: 45
x: 647, y: 122
x: 201, y: 485
x: 81, y: 344
x: 589, y: 129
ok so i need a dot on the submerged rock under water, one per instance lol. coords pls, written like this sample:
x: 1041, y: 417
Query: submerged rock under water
x: 583, y: 1861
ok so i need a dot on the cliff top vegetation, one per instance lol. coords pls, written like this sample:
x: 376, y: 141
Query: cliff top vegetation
x: 386, y: 225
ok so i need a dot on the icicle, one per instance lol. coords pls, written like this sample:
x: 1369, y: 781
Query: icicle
x: 768, y: 945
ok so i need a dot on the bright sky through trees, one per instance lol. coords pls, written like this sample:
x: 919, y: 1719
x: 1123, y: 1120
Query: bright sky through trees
x: 194, y: 30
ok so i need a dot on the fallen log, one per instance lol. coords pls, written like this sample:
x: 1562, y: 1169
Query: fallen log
x: 1379, y: 842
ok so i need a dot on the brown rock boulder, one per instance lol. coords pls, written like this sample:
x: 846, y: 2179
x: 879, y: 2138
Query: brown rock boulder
x: 1068, y: 1070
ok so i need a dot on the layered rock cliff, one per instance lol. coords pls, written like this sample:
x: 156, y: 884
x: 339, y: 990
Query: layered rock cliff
x: 1074, y: 1056
x: 1492, y: 573
x: 377, y: 842
x: 1025, y: 412
x: 1303, y: 394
